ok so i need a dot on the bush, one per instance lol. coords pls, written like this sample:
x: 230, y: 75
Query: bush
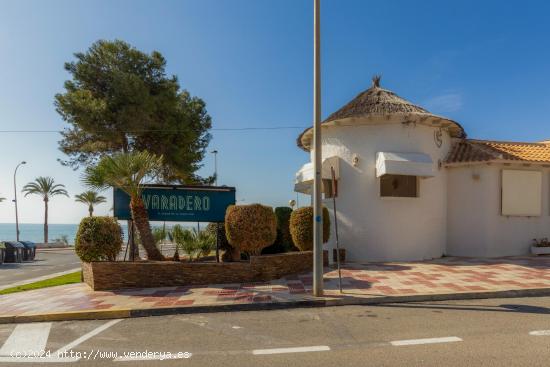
x: 183, y: 240
x: 159, y: 234
x: 194, y: 243
x: 301, y: 227
x: 250, y: 228
x: 98, y: 239
x: 283, y: 242
x: 218, y: 231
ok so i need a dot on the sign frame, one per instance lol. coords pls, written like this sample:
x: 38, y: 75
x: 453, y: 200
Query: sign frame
x: 195, y: 200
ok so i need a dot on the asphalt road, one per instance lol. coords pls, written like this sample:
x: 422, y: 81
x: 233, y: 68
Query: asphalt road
x: 47, y: 261
x: 504, y: 332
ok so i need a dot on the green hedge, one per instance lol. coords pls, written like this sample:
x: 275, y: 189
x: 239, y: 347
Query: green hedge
x: 301, y: 227
x: 283, y: 242
x: 250, y: 228
x: 98, y: 239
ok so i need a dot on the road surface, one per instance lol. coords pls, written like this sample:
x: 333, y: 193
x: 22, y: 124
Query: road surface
x: 503, y: 332
x: 47, y: 262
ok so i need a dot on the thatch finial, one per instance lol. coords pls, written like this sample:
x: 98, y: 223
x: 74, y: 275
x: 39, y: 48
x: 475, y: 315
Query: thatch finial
x: 376, y: 81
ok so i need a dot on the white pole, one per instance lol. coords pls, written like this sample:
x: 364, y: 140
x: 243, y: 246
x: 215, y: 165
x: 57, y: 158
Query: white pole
x: 317, y: 163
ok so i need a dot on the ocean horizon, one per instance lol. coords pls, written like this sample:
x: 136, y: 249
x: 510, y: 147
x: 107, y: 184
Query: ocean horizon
x: 35, y: 231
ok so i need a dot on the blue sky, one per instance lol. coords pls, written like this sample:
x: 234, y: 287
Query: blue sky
x: 484, y: 64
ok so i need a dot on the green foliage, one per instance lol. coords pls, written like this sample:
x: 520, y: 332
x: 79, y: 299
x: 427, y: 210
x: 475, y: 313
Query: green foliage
x: 90, y: 198
x: 64, y: 239
x: 127, y: 171
x: 70, y: 278
x: 283, y: 242
x: 120, y: 99
x: 204, y: 241
x: 194, y: 243
x: 250, y: 228
x: 218, y: 231
x: 301, y: 227
x: 98, y: 239
x: 45, y: 187
x: 159, y: 233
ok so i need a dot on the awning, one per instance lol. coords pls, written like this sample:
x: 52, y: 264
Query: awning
x: 304, y: 177
x: 409, y: 164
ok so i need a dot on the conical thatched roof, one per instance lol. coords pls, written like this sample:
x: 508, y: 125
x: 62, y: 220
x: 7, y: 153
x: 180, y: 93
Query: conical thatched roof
x: 377, y: 105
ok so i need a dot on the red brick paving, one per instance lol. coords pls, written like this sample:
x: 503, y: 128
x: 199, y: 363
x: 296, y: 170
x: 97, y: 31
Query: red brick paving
x: 442, y: 276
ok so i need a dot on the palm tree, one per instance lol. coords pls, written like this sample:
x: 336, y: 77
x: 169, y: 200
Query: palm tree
x: 90, y: 198
x: 128, y: 172
x: 45, y: 187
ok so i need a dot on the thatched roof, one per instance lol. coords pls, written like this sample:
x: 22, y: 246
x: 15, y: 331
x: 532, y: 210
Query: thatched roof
x: 381, y: 105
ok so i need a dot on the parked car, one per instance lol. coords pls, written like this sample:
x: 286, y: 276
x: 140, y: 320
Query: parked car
x: 14, y: 251
x: 2, y: 252
x: 30, y: 250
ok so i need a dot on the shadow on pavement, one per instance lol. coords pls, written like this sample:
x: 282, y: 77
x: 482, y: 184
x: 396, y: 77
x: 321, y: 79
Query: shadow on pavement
x: 486, y: 308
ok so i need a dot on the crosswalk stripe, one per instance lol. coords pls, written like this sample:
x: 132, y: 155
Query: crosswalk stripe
x: 447, y: 339
x: 87, y: 336
x: 315, y: 348
x: 27, y: 338
x: 540, y: 333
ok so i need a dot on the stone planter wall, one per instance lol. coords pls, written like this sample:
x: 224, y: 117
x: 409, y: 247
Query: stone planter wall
x: 145, y: 274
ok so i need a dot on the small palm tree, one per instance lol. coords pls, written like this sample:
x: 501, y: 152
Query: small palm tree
x: 128, y: 172
x: 90, y: 198
x: 45, y: 187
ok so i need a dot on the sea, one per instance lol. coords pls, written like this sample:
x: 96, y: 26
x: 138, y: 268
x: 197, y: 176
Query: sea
x: 35, y: 231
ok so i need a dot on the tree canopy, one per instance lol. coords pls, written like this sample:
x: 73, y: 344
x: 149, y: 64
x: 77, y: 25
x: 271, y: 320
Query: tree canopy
x: 121, y: 100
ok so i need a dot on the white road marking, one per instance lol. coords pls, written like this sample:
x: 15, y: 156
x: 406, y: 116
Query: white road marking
x: 27, y: 338
x: 448, y: 339
x: 236, y: 327
x: 540, y: 332
x: 87, y: 336
x: 315, y: 348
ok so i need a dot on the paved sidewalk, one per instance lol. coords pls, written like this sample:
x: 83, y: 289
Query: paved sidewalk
x: 447, y: 278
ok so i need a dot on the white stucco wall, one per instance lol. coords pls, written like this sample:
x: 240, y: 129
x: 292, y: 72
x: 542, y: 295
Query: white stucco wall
x: 475, y: 224
x: 372, y: 228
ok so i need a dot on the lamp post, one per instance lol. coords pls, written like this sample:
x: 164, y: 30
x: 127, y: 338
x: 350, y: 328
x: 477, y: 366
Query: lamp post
x: 15, y: 200
x: 317, y: 163
x: 215, y: 152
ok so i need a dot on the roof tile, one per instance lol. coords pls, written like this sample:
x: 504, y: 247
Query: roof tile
x: 468, y: 150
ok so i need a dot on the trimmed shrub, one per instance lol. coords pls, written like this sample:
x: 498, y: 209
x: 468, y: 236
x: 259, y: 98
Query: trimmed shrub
x: 229, y: 252
x: 283, y: 242
x: 250, y: 228
x: 98, y: 239
x: 301, y: 227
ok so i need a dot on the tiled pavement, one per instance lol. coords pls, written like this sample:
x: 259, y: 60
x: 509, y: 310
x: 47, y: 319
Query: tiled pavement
x: 372, y: 280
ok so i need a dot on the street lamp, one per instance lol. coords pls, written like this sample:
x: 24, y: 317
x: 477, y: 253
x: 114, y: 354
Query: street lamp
x: 15, y: 201
x: 215, y: 152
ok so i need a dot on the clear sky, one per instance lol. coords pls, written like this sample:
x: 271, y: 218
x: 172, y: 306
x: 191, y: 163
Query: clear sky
x: 482, y: 63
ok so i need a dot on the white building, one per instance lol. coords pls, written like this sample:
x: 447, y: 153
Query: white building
x: 410, y: 186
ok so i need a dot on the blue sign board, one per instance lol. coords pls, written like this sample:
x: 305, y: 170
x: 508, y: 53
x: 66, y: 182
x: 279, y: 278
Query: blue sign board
x: 177, y: 203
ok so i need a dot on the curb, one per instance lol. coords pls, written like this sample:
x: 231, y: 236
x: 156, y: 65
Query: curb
x: 332, y: 302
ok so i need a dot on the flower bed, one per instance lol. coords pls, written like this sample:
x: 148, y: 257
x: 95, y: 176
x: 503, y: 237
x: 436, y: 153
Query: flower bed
x: 107, y: 275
